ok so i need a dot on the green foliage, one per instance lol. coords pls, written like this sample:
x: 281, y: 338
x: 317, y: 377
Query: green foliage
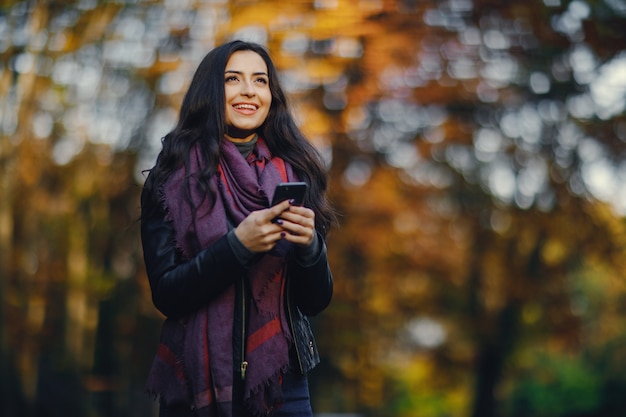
x: 557, y: 385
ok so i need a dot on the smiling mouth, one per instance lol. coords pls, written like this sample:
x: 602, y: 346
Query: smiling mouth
x: 245, y: 107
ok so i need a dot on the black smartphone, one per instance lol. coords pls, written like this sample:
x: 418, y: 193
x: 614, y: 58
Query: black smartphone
x: 290, y: 191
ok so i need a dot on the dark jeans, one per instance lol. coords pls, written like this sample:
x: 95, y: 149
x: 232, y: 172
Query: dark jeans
x: 296, y: 394
x: 297, y: 402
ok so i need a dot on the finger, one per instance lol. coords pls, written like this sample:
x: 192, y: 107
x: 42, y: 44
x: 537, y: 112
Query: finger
x: 299, y: 219
x: 266, y: 238
x: 269, y: 241
x: 296, y: 229
x: 303, y: 238
x: 275, y: 211
x: 302, y: 211
x: 256, y: 232
x: 297, y: 225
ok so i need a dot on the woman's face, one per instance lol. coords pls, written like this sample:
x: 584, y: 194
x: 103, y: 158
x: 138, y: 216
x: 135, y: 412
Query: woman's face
x: 247, y: 93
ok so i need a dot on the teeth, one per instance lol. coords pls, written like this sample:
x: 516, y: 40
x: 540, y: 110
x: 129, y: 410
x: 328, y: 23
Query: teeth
x: 245, y: 106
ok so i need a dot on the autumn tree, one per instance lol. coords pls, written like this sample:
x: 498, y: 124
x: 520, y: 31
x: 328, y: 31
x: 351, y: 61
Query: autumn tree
x: 506, y: 140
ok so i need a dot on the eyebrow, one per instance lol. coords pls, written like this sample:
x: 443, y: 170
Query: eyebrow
x: 241, y: 73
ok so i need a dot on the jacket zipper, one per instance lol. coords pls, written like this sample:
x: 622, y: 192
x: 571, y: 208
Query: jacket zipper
x: 244, y: 362
x: 293, y: 333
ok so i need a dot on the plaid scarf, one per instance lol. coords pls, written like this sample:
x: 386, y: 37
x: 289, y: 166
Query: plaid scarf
x: 194, y: 361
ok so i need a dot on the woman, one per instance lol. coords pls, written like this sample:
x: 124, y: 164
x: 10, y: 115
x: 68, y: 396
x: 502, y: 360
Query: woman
x: 235, y: 277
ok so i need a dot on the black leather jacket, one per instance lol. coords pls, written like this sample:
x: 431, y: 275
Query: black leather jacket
x: 180, y: 287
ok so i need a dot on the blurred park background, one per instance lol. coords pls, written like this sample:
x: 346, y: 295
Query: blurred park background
x: 477, y: 151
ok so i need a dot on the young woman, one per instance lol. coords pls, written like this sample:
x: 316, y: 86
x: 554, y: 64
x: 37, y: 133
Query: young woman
x: 234, y: 276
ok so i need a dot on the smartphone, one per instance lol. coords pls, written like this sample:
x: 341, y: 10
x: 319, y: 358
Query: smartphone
x: 290, y: 191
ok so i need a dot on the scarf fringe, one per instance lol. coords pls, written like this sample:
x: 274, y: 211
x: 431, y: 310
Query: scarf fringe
x: 170, y: 218
x: 153, y: 395
x: 260, y: 389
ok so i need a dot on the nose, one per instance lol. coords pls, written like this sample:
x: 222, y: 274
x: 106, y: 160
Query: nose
x: 247, y: 89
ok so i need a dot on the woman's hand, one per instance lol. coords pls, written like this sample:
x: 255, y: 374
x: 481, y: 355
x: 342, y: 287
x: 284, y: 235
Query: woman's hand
x: 258, y: 232
x: 299, y: 223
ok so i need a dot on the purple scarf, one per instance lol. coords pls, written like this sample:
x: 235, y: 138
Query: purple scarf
x: 194, y: 362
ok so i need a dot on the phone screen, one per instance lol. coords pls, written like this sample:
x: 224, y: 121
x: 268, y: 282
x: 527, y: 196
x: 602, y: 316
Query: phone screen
x: 290, y: 191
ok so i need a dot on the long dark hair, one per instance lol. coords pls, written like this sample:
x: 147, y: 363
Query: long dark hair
x: 202, y: 122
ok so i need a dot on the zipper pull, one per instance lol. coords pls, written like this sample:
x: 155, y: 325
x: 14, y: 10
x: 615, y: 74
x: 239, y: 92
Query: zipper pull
x: 244, y: 366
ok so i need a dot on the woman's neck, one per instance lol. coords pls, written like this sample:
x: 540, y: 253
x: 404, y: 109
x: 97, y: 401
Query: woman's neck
x: 239, y: 136
x: 245, y: 147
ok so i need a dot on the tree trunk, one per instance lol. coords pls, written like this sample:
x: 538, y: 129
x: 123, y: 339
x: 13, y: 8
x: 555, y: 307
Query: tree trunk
x: 491, y: 357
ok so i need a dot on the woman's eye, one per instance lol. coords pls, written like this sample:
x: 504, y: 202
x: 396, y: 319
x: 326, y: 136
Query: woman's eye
x: 231, y: 78
x: 262, y: 81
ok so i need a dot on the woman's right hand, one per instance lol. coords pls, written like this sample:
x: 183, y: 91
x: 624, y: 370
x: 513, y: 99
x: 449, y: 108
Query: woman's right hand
x: 258, y: 232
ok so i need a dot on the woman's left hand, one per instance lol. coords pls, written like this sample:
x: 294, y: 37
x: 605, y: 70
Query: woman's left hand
x: 299, y: 223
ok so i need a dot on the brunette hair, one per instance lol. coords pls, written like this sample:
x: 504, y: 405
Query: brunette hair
x: 202, y: 122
